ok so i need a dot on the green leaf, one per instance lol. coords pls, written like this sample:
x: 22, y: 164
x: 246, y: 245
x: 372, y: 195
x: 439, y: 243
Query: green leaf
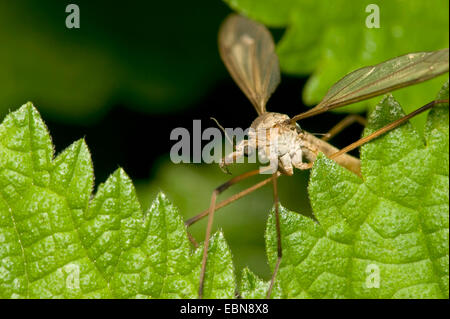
x: 330, y: 39
x: 383, y: 236
x: 57, y: 243
x: 252, y: 287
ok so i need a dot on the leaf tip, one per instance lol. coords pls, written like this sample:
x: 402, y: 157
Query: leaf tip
x: 159, y: 201
x: 219, y: 235
x: 443, y: 92
x: 385, y: 112
x: 29, y: 104
x: 121, y: 174
x: 161, y: 196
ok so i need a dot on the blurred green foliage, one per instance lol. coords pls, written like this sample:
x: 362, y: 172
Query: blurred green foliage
x: 330, y: 39
x: 155, y: 56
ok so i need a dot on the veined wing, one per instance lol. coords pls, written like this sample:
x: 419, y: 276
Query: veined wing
x: 381, y: 78
x: 248, y: 51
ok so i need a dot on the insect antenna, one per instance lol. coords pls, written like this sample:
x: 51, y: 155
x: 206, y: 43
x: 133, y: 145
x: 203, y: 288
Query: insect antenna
x: 224, y: 132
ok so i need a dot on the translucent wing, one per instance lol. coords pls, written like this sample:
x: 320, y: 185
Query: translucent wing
x: 248, y: 51
x: 381, y: 78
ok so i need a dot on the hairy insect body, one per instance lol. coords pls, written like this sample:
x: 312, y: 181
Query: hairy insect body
x: 284, y: 145
x: 275, y: 140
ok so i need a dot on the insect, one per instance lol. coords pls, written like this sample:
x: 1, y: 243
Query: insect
x: 248, y: 51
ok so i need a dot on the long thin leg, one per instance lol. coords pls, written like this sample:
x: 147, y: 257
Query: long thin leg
x: 224, y: 203
x: 278, y: 227
x: 192, y: 240
x: 387, y: 128
x: 380, y: 131
x: 343, y: 124
x: 228, y: 201
x: 211, y: 211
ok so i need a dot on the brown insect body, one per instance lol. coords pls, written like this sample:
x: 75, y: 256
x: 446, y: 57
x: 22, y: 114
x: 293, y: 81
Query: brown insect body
x: 248, y: 51
x: 285, y: 145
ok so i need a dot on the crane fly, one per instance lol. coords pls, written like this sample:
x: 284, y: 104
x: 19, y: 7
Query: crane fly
x: 248, y: 51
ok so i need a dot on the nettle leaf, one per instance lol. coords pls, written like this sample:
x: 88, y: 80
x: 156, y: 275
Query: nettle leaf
x: 330, y: 39
x: 253, y: 287
x: 383, y: 236
x: 57, y: 243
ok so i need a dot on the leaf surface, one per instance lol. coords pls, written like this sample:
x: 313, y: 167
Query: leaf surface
x: 383, y: 236
x: 57, y: 243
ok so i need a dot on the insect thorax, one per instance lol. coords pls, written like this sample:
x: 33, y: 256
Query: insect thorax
x: 276, y: 140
